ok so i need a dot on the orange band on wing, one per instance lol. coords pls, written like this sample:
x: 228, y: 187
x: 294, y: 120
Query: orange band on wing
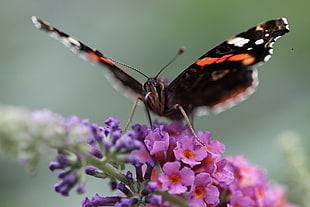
x: 223, y: 58
x: 193, y: 70
x: 206, y: 61
x: 246, y: 59
x: 106, y: 60
x: 96, y: 58
x: 210, y: 60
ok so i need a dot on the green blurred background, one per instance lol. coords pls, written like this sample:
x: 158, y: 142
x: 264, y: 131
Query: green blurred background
x: 38, y: 72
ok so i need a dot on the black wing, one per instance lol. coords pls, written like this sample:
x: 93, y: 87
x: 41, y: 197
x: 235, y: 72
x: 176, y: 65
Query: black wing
x: 222, y: 77
x: 122, y: 79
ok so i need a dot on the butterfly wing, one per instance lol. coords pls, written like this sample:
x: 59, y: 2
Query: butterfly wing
x: 224, y: 76
x: 121, y: 79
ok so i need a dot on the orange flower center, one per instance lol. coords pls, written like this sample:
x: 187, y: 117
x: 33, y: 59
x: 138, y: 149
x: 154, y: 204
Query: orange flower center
x: 188, y: 154
x: 199, y: 192
x: 175, y: 179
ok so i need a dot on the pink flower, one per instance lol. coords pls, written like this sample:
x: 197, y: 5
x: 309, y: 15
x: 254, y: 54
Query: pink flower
x: 156, y: 140
x: 279, y: 193
x: 250, y: 183
x: 247, y: 175
x: 189, y: 153
x: 174, y: 179
x: 222, y: 176
x: 214, y: 147
x: 238, y: 199
x: 203, y: 193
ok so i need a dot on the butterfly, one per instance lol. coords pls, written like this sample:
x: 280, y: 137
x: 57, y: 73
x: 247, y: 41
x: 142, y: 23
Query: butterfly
x: 218, y: 80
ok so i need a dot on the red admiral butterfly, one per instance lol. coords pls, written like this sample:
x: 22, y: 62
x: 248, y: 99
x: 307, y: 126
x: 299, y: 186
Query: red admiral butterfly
x: 217, y: 80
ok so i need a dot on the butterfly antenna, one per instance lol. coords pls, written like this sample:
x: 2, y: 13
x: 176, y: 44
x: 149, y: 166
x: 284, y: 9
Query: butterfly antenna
x: 128, y: 66
x: 182, y: 49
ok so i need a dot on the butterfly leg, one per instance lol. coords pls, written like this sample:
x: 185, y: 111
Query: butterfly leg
x: 149, y: 116
x: 147, y: 109
x: 179, y: 107
x: 134, y: 106
x: 191, y: 118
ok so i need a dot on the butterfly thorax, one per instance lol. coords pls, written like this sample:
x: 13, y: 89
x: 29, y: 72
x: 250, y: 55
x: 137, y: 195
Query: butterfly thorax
x: 154, y: 95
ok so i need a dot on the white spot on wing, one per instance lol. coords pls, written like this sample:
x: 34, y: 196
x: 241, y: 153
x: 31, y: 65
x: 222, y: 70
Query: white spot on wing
x: 270, y: 51
x: 238, y: 41
x: 74, y: 41
x: 259, y: 42
x: 286, y: 23
x: 267, y: 58
x: 36, y: 23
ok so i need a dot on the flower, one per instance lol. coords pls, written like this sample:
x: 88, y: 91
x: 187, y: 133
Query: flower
x: 97, y: 200
x: 203, y: 192
x: 70, y: 173
x: 250, y: 186
x: 189, y: 153
x: 214, y: 147
x: 170, y: 167
x: 238, y: 199
x: 139, y: 189
x: 156, y: 141
x: 174, y: 179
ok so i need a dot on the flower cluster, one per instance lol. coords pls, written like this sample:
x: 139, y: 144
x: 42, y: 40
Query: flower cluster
x: 105, y: 145
x: 170, y: 167
x: 250, y: 186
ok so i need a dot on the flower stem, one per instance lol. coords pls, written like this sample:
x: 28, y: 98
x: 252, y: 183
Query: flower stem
x: 107, y: 168
x: 178, y: 201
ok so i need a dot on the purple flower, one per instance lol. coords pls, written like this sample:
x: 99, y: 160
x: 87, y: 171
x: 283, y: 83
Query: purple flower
x: 156, y: 140
x: 214, y: 147
x: 128, y: 142
x: 69, y: 180
x: 166, y: 159
x: 108, y: 142
x: 112, y: 128
x: 129, y: 177
x: 238, y: 199
x: 247, y: 175
x: 222, y: 176
x: 250, y: 186
x: 154, y: 200
x: 70, y: 175
x: 148, y: 172
x: 150, y: 188
x: 87, y: 203
x: 61, y: 163
x: 188, y: 152
x: 122, y: 187
x: 278, y: 195
x: 174, y: 179
x: 91, y: 170
x: 126, y: 202
x: 175, y: 128
x: 203, y: 193
x: 140, y: 131
x: 97, y: 200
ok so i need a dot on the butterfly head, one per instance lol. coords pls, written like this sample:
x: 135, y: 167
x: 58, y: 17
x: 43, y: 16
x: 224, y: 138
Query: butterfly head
x: 154, y: 94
